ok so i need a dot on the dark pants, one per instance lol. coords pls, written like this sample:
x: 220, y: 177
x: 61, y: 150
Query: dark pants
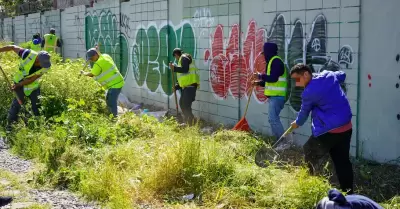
x: 16, y: 107
x: 338, y: 146
x: 112, y: 100
x: 188, y: 95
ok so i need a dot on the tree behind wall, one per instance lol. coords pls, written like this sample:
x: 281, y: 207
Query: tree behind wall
x: 11, y: 8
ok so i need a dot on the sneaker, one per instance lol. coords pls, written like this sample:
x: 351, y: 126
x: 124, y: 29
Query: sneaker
x: 5, y: 201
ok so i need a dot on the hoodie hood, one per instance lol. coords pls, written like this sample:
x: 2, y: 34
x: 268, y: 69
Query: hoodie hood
x: 270, y: 50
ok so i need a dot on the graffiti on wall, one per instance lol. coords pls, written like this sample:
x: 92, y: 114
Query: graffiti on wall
x: 78, y: 23
x: 8, y: 32
x: 151, y: 53
x: 34, y: 27
x: 231, y: 69
x: 47, y: 24
x: 102, y: 28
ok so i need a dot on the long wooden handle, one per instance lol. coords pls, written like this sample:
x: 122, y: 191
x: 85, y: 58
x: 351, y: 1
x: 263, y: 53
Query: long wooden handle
x: 248, y: 102
x: 176, y: 98
x: 10, y: 86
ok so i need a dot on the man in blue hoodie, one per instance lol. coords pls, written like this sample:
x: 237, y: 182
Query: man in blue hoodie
x: 331, y: 120
x: 337, y: 200
x: 275, y: 82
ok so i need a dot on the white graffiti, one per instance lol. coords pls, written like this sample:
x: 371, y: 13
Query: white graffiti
x: 203, y: 18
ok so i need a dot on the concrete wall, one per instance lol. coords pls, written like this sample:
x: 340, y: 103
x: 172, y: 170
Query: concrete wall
x: 225, y: 37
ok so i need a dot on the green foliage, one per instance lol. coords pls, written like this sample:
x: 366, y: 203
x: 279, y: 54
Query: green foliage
x: 137, y: 160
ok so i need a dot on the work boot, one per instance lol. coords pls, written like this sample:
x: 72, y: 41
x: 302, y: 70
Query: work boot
x: 5, y: 201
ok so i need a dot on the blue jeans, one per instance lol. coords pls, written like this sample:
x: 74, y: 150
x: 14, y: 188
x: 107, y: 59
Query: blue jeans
x: 112, y: 100
x: 275, y: 107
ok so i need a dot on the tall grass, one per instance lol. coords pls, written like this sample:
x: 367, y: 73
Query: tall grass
x: 138, y: 160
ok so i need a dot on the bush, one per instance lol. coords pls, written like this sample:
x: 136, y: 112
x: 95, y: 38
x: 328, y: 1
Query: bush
x: 138, y: 160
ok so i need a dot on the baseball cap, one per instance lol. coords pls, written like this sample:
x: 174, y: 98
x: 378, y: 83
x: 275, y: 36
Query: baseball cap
x: 176, y: 50
x: 90, y: 53
x: 44, y: 59
x: 52, y: 30
x: 36, y: 41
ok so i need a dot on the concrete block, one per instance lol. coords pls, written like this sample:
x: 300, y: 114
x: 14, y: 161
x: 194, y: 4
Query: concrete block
x: 139, y: 8
x: 164, y: 15
x: 270, y: 6
x: 223, y: 9
x: 234, y: 9
x: 157, y: 6
x: 212, y: 2
x: 194, y: 3
x: 297, y: 4
x: 223, y: 1
x: 214, y: 10
x: 314, y: 4
x: 187, y: 14
x: 332, y: 45
x: 233, y: 19
x: 350, y: 3
x: 164, y: 5
x: 234, y: 1
x: 186, y: 4
x: 203, y: 3
x: 297, y: 15
x: 224, y: 20
x: 283, y: 5
x: 144, y: 16
x: 349, y: 30
x: 350, y: 14
x: 331, y: 3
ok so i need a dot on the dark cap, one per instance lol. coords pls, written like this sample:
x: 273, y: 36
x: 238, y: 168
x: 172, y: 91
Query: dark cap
x: 52, y: 30
x: 44, y: 59
x: 90, y: 53
x: 177, y: 50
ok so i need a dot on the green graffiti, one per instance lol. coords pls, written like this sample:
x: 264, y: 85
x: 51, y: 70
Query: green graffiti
x: 152, y: 51
x: 103, y: 29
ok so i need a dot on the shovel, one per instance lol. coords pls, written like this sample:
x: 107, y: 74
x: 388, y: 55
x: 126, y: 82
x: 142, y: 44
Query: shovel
x: 269, y: 154
x: 178, y: 115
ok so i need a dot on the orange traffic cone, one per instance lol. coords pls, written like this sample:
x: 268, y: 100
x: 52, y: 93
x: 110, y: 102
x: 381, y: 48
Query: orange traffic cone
x: 243, y: 125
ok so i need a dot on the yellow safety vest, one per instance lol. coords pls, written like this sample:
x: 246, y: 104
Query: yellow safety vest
x: 23, y: 73
x: 189, y: 78
x: 35, y: 47
x: 50, y: 42
x: 110, y: 77
x: 278, y: 88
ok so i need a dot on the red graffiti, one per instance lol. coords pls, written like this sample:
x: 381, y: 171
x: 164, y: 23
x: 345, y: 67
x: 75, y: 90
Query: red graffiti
x: 231, y: 70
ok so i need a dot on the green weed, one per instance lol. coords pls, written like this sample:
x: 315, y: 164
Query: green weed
x: 139, y: 161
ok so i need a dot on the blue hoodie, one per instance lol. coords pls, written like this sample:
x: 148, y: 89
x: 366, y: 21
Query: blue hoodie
x: 336, y: 200
x: 326, y: 100
x: 277, y: 66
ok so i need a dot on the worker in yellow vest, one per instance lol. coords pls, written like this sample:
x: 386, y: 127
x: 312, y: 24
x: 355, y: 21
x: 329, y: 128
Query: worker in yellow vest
x: 275, y: 83
x: 26, y: 81
x: 188, y: 82
x: 35, y: 44
x: 107, y: 74
x: 51, y: 41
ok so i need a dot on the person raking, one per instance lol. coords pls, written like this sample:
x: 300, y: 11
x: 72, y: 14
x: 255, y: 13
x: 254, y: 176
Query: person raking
x: 331, y: 120
x: 26, y: 81
x: 188, y: 82
x: 105, y: 72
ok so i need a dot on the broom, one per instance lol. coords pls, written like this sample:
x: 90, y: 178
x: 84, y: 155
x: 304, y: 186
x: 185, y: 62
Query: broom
x: 243, y: 125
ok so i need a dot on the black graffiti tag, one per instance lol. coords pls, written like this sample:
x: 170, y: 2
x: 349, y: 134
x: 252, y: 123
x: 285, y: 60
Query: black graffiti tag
x: 125, y: 25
